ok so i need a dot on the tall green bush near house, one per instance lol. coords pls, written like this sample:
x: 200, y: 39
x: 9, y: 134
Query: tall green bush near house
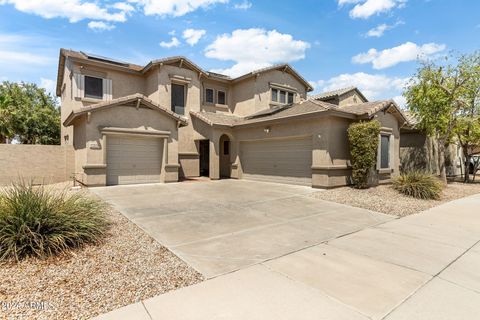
x: 363, y: 138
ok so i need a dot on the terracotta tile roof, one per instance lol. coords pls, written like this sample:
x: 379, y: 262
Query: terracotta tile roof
x: 134, y: 98
x: 304, y: 108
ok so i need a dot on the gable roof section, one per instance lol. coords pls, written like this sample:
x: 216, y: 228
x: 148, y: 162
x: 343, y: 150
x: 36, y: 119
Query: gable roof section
x: 306, y: 108
x: 337, y: 93
x: 129, y: 67
x: 133, y: 100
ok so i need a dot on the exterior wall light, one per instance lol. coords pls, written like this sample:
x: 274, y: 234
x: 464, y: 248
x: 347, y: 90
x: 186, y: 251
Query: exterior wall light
x: 267, y: 130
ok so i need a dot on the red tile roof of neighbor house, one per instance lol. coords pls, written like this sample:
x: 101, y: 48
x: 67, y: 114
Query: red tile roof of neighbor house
x: 130, y: 67
x: 306, y: 108
x: 131, y: 100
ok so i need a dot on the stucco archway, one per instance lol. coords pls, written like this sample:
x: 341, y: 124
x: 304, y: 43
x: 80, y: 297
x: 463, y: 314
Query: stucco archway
x: 225, y: 156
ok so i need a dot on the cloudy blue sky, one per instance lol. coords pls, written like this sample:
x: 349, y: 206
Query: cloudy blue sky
x: 373, y: 44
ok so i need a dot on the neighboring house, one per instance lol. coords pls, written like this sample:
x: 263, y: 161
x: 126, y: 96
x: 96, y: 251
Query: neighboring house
x: 171, y: 119
x: 341, y: 97
x: 418, y: 151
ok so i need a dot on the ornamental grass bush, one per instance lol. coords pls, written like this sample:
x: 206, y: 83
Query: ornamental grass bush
x: 363, y: 139
x: 41, y: 222
x: 419, y: 185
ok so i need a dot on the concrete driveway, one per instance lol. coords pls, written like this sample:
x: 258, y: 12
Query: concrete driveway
x: 222, y: 226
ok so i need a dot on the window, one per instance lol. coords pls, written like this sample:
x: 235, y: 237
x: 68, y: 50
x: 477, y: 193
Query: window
x: 221, y: 97
x: 290, y: 97
x: 282, y: 96
x: 93, y: 87
x: 275, y: 95
x: 226, y: 147
x: 209, y: 96
x: 178, y: 98
x: 385, y: 152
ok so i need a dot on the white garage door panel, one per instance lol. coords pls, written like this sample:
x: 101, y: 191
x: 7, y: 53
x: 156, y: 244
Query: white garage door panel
x: 132, y: 160
x: 284, y: 161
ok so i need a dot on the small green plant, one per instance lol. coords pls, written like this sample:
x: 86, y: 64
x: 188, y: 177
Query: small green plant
x: 419, y: 185
x: 40, y: 222
x: 363, y: 138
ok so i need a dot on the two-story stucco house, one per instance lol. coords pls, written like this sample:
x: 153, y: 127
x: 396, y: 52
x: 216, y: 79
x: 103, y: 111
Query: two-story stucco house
x: 170, y: 119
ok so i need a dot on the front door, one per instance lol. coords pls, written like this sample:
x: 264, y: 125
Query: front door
x: 204, y: 147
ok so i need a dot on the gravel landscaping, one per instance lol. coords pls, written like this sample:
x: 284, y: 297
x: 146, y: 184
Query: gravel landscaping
x: 127, y: 267
x: 387, y: 200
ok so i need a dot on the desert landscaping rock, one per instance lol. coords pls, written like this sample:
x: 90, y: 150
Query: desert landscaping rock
x: 127, y: 267
x: 385, y: 199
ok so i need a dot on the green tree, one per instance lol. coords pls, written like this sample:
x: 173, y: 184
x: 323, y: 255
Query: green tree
x: 28, y: 114
x: 440, y: 96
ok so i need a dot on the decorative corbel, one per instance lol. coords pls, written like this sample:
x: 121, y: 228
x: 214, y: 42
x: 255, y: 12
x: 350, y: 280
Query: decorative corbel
x: 89, y: 116
x: 181, y: 63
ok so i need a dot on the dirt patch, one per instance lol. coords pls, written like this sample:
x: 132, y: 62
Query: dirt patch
x: 127, y: 267
x: 387, y: 200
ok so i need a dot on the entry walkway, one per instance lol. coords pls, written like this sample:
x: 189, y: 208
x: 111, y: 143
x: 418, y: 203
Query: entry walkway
x: 423, y: 266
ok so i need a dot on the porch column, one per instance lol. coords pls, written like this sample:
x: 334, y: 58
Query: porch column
x: 214, y: 158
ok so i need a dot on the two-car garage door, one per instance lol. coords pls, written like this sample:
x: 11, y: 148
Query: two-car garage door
x: 132, y: 160
x: 278, y: 160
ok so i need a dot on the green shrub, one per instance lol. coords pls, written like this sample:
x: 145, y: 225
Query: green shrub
x: 363, y: 139
x: 36, y: 221
x: 418, y: 184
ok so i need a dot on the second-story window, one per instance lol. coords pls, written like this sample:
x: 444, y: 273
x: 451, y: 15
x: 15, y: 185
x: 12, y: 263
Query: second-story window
x: 221, y: 97
x: 282, y: 96
x: 178, y: 98
x: 209, y: 96
x: 93, y: 87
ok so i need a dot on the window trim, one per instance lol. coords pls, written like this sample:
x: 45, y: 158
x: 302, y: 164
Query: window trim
x: 213, y: 96
x: 172, y: 107
x: 279, y: 90
x: 391, y: 151
x: 85, y: 88
x: 225, y: 93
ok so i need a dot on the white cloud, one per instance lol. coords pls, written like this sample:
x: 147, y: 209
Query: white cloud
x: 16, y: 50
x: 364, y: 9
x: 255, y: 48
x: 123, y: 6
x: 245, y: 5
x: 73, y: 10
x: 175, y: 8
x: 379, y: 30
x: 408, y: 51
x: 48, y: 85
x: 172, y: 44
x: 100, y: 26
x: 192, y: 36
x: 373, y: 86
x: 172, y: 33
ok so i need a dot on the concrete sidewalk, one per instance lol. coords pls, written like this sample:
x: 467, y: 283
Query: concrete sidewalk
x: 423, y: 266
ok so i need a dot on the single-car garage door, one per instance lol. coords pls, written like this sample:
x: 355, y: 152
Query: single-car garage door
x: 282, y: 160
x: 132, y: 160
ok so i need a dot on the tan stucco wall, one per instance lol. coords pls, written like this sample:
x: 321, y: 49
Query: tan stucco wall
x: 123, y: 84
x: 37, y: 163
x: 351, y: 97
x: 253, y: 94
x: 93, y: 148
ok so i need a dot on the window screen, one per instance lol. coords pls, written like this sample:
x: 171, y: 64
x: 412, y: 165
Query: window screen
x: 209, y: 95
x: 385, y: 152
x: 178, y: 98
x: 221, y: 97
x: 93, y: 87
